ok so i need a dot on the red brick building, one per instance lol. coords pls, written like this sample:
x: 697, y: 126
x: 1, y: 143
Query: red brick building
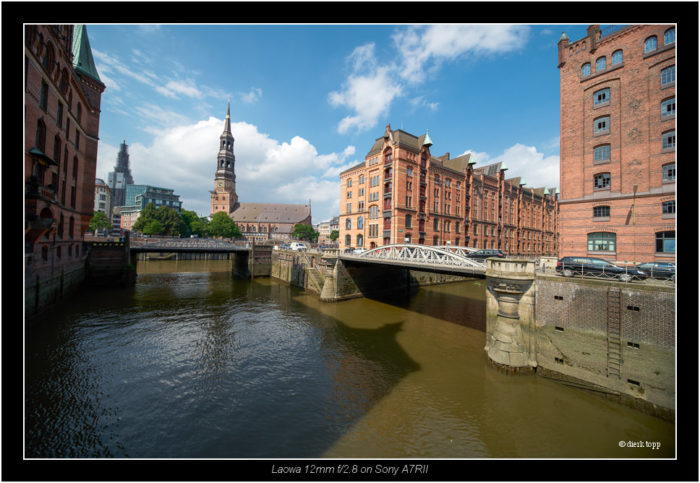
x: 618, y: 142
x: 401, y: 193
x: 62, y: 114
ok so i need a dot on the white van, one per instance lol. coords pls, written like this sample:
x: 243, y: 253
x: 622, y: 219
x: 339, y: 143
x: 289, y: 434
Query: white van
x: 296, y: 246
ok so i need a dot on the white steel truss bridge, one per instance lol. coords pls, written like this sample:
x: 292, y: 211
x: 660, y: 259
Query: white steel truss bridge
x: 445, y: 259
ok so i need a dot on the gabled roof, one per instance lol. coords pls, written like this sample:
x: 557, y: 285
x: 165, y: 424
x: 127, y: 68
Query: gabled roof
x: 82, y: 53
x: 270, y: 213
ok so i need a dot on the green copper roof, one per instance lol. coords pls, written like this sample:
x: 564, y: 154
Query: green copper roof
x: 427, y: 141
x: 82, y: 53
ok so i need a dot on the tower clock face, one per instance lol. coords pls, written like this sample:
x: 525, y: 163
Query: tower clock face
x: 220, y: 184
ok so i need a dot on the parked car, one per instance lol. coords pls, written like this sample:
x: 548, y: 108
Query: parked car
x: 357, y: 251
x: 569, y: 266
x: 484, y: 254
x: 661, y: 270
x: 349, y: 250
x: 297, y: 246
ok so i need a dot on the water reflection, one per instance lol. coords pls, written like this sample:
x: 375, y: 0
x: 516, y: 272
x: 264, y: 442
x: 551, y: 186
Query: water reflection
x: 199, y: 364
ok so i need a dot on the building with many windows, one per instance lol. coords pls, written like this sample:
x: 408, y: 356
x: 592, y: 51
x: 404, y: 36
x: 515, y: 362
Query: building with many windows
x: 102, y: 197
x: 137, y: 196
x: 62, y: 114
x: 618, y: 143
x: 401, y: 193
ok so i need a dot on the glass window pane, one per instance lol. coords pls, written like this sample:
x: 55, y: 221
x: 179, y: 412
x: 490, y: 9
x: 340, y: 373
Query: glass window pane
x: 585, y: 69
x: 668, y: 107
x: 617, y: 57
x: 670, y: 36
x: 650, y: 44
x: 600, y: 64
x: 668, y: 75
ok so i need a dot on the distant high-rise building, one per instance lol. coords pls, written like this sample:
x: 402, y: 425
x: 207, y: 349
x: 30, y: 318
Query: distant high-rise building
x: 120, y: 177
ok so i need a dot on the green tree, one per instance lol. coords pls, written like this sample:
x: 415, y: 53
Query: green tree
x: 199, y: 226
x: 170, y: 219
x: 222, y: 225
x: 99, y: 220
x: 147, y: 214
x: 305, y: 232
x: 153, y: 227
x: 188, y: 217
x: 334, y: 235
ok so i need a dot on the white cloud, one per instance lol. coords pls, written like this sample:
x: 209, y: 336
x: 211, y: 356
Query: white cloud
x: 183, y: 158
x: 183, y: 87
x: 524, y: 161
x: 371, y: 86
x: 252, y: 96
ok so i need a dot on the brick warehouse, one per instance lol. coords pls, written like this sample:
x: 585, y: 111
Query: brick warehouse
x: 62, y: 113
x: 401, y: 193
x: 618, y: 142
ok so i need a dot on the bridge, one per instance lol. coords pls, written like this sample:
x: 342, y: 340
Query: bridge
x: 440, y: 259
x: 187, y: 245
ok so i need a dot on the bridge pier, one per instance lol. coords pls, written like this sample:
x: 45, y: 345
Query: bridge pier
x: 510, y: 315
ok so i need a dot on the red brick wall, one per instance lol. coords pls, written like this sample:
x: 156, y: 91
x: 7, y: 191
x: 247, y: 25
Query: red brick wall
x: 636, y: 155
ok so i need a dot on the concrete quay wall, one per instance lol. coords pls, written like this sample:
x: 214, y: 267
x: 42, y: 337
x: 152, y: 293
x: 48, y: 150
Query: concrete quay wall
x: 40, y: 294
x: 572, y: 342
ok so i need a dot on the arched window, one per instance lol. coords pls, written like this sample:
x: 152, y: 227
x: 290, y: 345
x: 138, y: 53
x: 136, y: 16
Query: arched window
x: 617, y: 57
x: 600, y: 64
x: 601, y: 153
x: 601, y: 181
x: 80, y: 113
x: 601, y: 125
x: 359, y: 240
x: 668, y: 75
x: 585, y: 69
x: 601, y: 242
x: 348, y: 241
x: 668, y: 107
x: 387, y: 156
x: 650, y: 44
x: 49, y: 59
x: 348, y: 223
x: 601, y: 97
x: 360, y: 222
x: 40, y: 140
x: 668, y: 140
x: 57, y: 149
x: 75, y: 167
x: 670, y: 36
x: 669, y: 172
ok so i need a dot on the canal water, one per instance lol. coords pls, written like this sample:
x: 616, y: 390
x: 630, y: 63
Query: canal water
x: 192, y: 363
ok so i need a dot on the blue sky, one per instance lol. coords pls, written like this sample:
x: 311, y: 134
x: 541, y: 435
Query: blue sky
x: 308, y: 101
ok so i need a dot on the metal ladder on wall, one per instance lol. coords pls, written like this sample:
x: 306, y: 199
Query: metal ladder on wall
x: 614, y: 335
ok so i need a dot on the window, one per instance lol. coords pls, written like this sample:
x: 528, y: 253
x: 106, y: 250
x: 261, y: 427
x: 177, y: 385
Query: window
x: 668, y: 75
x: 77, y: 138
x: 348, y: 223
x: 40, y: 139
x: 44, y: 99
x: 601, y: 153
x: 601, y: 125
x: 409, y: 171
x: 669, y: 172
x: 668, y: 107
x: 601, y: 181
x: 601, y: 242
x: 349, y: 183
x: 436, y: 224
x: 601, y: 97
x: 387, y: 156
x: 670, y: 36
x: 359, y: 240
x: 617, y: 57
x: 360, y: 222
x: 348, y: 208
x: 408, y: 221
x: 59, y: 115
x: 601, y: 211
x: 666, y: 242
x: 668, y: 207
x: 600, y: 64
x: 668, y: 140
x: 348, y: 241
x: 650, y: 44
x: 585, y: 69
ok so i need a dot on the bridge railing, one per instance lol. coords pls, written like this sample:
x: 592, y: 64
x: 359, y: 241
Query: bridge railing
x: 425, y: 254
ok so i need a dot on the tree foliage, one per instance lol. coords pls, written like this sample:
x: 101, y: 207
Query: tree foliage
x: 99, y: 220
x: 305, y: 232
x: 334, y: 235
x: 222, y: 225
x: 169, y: 221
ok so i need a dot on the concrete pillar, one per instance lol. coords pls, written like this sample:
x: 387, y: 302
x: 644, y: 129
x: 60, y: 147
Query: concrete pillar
x: 510, y: 314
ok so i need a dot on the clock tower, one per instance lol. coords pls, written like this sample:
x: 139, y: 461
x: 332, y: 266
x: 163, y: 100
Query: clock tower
x: 223, y: 197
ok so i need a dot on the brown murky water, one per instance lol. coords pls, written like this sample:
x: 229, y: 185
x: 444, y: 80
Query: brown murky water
x: 191, y: 363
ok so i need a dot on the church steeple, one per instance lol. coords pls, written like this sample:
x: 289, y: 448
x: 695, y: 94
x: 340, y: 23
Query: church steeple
x: 224, y: 197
